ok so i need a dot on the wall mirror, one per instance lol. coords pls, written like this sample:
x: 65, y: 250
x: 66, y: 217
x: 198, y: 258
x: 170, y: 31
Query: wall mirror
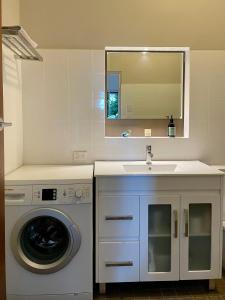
x: 143, y: 87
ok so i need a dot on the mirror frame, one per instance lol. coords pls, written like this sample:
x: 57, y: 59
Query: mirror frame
x: 186, y: 76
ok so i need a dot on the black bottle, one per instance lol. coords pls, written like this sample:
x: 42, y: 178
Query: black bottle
x: 171, y: 127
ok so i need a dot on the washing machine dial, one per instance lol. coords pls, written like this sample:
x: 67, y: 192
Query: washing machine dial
x: 78, y: 194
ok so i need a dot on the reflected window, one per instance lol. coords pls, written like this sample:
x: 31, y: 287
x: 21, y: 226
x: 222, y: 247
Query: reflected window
x: 113, y: 105
x: 113, y: 95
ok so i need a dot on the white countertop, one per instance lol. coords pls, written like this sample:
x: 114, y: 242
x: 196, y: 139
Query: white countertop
x: 185, y: 168
x: 218, y: 167
x: 50, y: 174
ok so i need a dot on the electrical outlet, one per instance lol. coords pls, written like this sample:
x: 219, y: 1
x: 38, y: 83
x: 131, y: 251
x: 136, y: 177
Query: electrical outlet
x: 80, y: 155
x: 148, y: 132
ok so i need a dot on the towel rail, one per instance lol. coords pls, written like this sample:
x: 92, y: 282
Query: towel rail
x: 18, y: 41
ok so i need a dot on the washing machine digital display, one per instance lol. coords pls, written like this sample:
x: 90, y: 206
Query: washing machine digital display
x: 49, y: 194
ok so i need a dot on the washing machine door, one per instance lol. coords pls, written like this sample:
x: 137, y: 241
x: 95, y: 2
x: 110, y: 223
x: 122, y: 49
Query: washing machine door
x: 45, y: 240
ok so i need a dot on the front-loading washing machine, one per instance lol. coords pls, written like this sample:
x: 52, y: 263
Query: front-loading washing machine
x: 49, y: 233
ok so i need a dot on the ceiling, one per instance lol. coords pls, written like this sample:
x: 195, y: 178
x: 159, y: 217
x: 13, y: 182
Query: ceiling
x: 94, y: 24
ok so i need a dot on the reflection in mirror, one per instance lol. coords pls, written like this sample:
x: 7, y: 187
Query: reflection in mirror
x: 143, y: 88
x: 144, y: 85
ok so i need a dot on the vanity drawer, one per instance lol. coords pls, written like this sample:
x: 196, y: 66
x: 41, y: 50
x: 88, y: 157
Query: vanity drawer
x: 118, y: 261
x: 118, y: 217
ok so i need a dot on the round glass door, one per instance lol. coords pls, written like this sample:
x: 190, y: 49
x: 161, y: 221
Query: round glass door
x: 45, y: 240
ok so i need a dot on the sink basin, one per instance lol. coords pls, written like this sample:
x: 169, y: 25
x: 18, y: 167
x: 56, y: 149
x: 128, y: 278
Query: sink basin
x: 148, y: 169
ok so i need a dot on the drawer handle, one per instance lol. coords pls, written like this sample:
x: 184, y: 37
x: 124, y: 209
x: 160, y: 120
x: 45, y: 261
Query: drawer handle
x: 119, y: 264
x: 115, y: 218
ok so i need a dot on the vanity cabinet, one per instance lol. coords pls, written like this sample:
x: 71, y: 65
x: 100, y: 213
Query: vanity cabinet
x: 200, y: 236
x: 179, y: 236
x: 159, y: 237
x: 158, y: 228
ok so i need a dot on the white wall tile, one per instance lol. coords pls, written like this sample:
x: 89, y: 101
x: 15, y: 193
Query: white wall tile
x: 46, y: 112
x: 64, y: 111
x: 12, y: 100
x: 98, y: 62
x: 98, y: 95
x: 80, y: 84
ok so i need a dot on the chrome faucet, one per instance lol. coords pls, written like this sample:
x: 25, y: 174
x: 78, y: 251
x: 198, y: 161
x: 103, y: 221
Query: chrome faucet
x: 149, y: 155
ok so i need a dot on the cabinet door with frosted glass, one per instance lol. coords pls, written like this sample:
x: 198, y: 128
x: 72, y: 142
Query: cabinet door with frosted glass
x: 200, y: 236
x: 159, y: 237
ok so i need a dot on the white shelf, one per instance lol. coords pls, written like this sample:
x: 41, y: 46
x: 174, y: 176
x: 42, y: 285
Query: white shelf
x: 159, y: 235
x: 146, y: 137
x: 200, y: 235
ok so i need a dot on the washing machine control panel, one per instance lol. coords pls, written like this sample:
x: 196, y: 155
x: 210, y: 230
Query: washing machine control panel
x: 49, y: 194
x: 62, y: 194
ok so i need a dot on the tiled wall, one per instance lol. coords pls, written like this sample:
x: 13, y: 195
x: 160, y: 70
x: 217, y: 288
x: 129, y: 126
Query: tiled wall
x: 63, y: 111
x: 12, y: 99
x: 12, y: 92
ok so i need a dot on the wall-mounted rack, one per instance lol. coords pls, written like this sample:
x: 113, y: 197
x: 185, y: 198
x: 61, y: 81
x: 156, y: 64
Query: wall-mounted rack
x: 18, y: 41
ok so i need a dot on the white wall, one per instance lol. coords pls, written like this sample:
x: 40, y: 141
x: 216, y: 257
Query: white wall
x: 12, y: 100
x: 12, y: 93
x: 63, y: 102
x: 10, y: 12
x: 151, y: 101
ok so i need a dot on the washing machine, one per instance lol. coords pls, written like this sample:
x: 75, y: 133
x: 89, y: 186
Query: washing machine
x: 49, y: 243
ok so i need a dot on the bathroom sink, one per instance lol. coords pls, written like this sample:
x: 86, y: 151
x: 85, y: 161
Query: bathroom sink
x: 158, y: 168
x: 131, y: 168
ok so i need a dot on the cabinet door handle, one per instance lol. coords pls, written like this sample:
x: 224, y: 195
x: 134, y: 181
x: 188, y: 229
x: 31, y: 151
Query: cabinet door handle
x: 115, y: 218
x: 175, y: 214
x: 186, y: 223
x: 119, y: 264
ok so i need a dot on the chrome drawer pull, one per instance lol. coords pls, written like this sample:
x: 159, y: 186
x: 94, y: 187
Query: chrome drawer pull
x: 119, y: 264
x: 114, y: 218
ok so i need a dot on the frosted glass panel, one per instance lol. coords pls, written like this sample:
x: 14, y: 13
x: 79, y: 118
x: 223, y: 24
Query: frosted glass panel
x: 159, y: 238
x: 200, y: 236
